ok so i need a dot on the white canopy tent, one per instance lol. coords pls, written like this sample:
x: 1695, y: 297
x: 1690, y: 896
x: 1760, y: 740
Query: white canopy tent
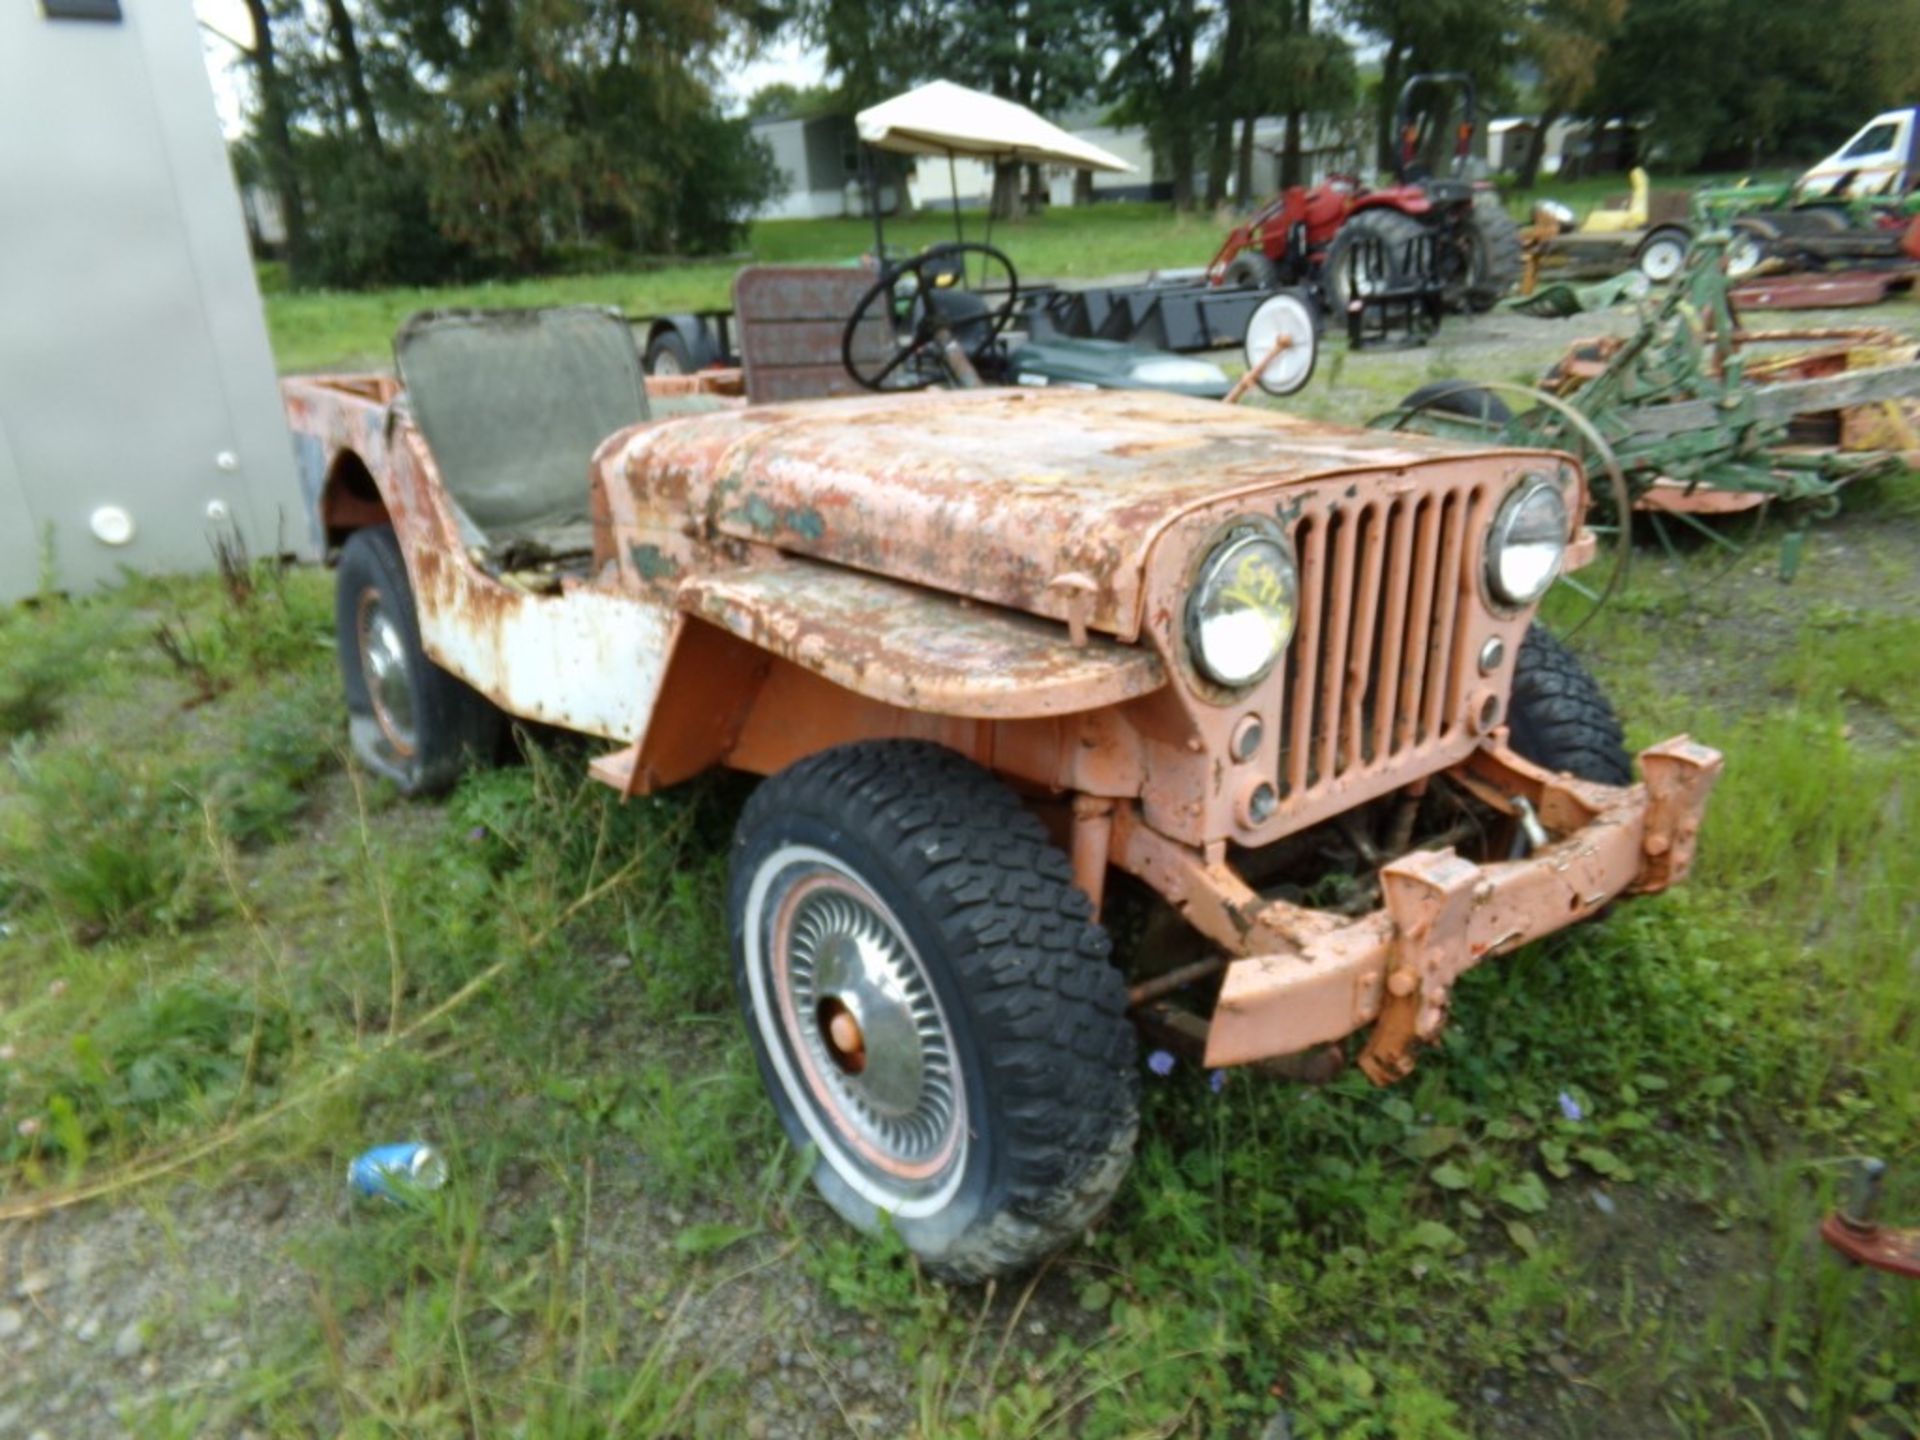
x: 941, y: 118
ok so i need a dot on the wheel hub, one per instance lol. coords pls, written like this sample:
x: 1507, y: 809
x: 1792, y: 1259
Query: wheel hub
x: 867, y: 1027
x: 383, y: 662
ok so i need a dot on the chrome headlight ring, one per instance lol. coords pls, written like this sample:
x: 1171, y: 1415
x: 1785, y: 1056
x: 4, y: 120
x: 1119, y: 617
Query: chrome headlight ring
x: 1527, y: 542
x: 1240, y: 613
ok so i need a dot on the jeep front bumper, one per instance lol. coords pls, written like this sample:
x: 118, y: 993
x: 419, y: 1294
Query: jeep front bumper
x: 1305, y: 978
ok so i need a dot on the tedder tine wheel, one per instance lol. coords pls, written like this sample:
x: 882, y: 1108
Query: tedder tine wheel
x: 1552, y: 424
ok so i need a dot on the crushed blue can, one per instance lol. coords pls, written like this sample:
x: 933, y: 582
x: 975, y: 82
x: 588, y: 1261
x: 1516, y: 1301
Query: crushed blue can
x: 403, y: 1171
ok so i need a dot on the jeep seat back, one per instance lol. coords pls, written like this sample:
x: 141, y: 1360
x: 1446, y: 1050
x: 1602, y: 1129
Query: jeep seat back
x: 790, y: 320
x: 513, y: 404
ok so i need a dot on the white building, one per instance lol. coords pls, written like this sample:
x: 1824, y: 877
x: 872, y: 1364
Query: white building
x: 139, y: 413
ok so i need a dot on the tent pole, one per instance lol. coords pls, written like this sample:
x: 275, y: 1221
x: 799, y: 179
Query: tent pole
x: 873, y: 206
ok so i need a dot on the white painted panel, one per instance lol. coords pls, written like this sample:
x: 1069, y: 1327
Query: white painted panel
x: 586, y: 660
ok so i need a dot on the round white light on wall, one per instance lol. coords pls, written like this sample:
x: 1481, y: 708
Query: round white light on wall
x: 111, y: 525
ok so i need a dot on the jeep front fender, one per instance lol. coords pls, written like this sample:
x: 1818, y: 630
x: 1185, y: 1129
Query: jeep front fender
x: 919, y: 649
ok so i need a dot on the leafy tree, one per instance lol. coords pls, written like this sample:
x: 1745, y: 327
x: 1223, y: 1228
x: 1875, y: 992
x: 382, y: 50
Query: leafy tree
x: 422, y: 138
x: 1566, y: 40
x: 1154, y: 79
x: 801, y: 102
x: 1726, y: 82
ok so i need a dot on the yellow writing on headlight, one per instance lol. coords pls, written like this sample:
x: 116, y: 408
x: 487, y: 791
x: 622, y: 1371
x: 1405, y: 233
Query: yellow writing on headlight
x: 1259, y: 583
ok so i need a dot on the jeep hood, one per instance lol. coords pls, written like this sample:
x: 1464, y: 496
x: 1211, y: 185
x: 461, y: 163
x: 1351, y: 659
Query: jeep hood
x: 990, y: 494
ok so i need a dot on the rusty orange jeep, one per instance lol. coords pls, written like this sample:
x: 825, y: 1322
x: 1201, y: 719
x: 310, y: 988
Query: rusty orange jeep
x: 1004, y: 655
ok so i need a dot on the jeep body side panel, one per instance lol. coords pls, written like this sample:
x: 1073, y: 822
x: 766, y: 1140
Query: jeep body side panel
x: 590, y: 658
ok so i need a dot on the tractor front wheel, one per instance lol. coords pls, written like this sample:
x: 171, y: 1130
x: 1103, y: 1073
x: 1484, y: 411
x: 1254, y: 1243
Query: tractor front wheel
x: 932, y: 1005
x: 1252, y: 270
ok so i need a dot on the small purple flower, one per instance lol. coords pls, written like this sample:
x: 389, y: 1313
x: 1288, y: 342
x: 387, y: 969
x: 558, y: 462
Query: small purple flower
x: 1217, y: 1081
x: 1161, y: 1062
x: 1570, y: 1107
x: 477, y: 834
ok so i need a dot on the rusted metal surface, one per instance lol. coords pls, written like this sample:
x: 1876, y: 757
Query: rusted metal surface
x: 1444, y: 914
x: 991, y: 495
x: 792, y: 320
x: 914, y: 648
x: 1833, y: 291
x: 1006, y: 574
x: 1857, y: 1234
x: 1884, y: 1247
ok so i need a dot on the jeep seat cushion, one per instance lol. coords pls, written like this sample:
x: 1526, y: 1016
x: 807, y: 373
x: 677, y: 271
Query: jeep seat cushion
x: 791, y: 320
x: 513, y: 404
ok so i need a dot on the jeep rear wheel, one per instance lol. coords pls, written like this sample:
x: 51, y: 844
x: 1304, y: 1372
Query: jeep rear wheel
x: 1559, y: 717
x: 407, y: 719
x: 932, y: 1008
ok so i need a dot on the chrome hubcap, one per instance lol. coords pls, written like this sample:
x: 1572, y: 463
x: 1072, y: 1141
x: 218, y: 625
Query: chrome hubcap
x: 383, y: 661
x: 866, y: 1026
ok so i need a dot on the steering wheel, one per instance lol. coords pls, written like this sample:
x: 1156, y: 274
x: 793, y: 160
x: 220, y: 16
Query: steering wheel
x: 940, y: 329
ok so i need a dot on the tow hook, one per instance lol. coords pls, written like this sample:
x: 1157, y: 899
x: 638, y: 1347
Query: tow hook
x: 1533, y: 835
x: 1855, y: 1233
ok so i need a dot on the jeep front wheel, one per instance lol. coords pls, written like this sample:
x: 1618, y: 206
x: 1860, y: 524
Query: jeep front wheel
x: 1560, y: 718
x: 931, y: 1005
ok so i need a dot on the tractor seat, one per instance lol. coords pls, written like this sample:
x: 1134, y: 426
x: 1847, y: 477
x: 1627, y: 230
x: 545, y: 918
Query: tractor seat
x: 1625, y: 217
x: 513, y: 403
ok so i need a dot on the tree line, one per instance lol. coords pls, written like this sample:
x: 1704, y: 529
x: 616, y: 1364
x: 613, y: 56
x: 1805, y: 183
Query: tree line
x: 413, y: 141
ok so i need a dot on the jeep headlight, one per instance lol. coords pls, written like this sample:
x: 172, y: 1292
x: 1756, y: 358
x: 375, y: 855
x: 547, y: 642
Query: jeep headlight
x: 1240, y: 615
x: 1527, y: 541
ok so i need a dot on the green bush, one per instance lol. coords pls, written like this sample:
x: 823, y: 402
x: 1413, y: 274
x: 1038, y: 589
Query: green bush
x: 113, y: 845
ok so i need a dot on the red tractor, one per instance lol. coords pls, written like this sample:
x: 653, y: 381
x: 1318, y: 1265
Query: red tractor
x: 1353, y: 242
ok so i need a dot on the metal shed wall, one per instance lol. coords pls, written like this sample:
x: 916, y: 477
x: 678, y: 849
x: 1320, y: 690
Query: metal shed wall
x: 134, y: 366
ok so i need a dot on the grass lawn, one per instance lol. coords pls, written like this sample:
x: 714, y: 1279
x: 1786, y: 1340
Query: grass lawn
x: 228, y: 962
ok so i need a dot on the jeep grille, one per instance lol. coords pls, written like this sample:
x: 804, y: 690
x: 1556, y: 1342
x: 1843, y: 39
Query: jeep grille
x: 1376, y: 670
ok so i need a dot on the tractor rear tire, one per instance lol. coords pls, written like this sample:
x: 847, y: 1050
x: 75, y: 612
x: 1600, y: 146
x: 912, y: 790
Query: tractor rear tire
x: 1559, y: 717
x: 1251, y: 270
x: 933, y: 1008
x: 1493, y: 255
x: 1395, y: 232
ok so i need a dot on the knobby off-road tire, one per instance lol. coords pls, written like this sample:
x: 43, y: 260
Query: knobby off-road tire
x: 408, y: 719
x: 1493, y: 255
x: 1559, y: 717
x: 1394, y: 232
x: 931, y: 1005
